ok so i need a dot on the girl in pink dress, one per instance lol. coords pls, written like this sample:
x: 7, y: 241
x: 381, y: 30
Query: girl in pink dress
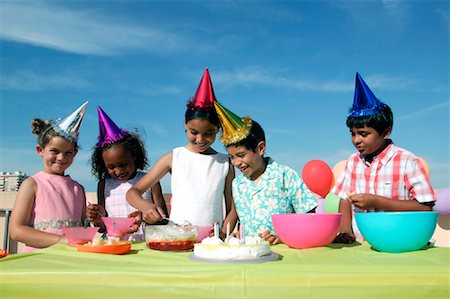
x: 50, y: 200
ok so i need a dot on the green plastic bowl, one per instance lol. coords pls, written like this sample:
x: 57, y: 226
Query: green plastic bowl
x: 397, y: 231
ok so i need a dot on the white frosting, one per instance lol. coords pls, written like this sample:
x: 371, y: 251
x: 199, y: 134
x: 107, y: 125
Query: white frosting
x: 212, y: 241
x: 232, y: 248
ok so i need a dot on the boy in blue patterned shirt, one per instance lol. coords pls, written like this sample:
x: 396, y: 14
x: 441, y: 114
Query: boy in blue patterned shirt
x: 265, y: 187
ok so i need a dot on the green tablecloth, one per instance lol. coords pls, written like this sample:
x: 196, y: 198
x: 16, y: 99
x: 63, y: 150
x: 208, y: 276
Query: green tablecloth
x: 337, y: 271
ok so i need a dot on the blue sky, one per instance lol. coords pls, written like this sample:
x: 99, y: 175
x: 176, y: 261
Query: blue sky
x: 290, y: 65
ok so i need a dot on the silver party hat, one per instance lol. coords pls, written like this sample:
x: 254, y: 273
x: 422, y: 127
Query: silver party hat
x: 69, y: 126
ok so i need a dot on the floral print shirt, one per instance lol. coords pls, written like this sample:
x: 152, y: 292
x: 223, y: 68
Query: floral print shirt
x: 279, y: 191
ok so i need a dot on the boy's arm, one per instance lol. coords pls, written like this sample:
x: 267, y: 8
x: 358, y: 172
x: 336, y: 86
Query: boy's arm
x: 366, y: 201
x: 231, y: 214
x: 346, y: 234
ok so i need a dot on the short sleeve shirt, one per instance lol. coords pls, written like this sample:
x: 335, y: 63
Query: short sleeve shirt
x: 395, y: 173
x: 280, y: 190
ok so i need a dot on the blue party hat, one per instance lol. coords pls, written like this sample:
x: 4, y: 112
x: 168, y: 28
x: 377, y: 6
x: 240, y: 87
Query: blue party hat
x: 364, y: 102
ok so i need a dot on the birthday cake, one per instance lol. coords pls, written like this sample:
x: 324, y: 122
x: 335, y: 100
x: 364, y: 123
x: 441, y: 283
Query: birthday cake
x: 232, y: 248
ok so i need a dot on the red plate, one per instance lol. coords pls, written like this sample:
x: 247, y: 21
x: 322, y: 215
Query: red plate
x: 171, y: 245
x: 119, y: 248
x: 3, y: 253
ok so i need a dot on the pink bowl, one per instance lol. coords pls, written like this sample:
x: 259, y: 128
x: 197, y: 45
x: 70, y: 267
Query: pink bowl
x: 117, y: 226
x: 306, y: 230
x: 79, y: 235
x: 203, y: 232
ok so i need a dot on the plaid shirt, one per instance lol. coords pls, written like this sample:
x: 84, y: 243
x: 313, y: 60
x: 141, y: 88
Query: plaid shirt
x: 116, y: 203
x: 395, y: 173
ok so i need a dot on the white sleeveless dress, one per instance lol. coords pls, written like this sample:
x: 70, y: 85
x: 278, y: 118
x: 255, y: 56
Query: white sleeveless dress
x: 198, y: 184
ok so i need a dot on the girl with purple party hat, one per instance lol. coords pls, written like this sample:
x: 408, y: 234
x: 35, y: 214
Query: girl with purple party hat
x: 50, y: 199
x: 200, y: 176
x: 117, y: 162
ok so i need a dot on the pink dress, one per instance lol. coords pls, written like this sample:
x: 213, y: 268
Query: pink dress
x: 59, y: 202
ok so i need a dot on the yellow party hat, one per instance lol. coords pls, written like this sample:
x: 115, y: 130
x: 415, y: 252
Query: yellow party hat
x: 234, y: 128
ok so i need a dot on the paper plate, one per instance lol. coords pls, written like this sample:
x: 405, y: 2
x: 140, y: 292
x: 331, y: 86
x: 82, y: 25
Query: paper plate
x: 266, y: 258
x: 119, y: 248
x: 3, y: 253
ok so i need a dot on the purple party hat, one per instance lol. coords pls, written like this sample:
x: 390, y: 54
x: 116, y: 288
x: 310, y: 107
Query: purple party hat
x: 109, y: 131
x: 69, y: 126
x: 364, y: 102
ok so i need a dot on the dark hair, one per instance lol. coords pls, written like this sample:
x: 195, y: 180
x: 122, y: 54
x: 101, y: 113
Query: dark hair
x: 255, y: 136
x: 208, y: 114
x: 132, y: 142
x: 44, y: 132
x: 380, y: 121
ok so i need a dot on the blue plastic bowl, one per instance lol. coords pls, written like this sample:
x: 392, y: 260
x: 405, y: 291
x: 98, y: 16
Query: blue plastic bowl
x: 397, y: 231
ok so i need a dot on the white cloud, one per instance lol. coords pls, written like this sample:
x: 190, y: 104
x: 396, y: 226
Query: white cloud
x: 152, y: 90
x: 31, y: 81
x: 395, y: 14
x: 76, y: 31
x: 159, y: 129
x: 256, y: 75
x: 378, y: 81
x: 156, y: 128
x: 272, y: 77
x: 426, y: 111
x: 281, y: 131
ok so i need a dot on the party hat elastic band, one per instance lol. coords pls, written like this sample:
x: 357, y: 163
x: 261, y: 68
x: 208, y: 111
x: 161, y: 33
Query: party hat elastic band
x: 69, y: 126
x: 364, y: 101
x: 234, y: 128
x: 204, y: 97
x: 109, y: 131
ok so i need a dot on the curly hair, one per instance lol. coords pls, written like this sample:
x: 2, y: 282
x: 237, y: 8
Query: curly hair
x: 132, y: 142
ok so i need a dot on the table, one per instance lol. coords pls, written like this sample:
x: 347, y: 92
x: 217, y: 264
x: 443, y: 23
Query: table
x: 336, y: 271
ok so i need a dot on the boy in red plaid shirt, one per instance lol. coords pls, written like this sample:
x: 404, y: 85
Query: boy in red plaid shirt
x: 381, y: 176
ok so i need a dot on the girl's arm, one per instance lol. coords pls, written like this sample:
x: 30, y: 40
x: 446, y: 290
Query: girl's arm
x: 151, y: 213
x: 158, y: 197
x: 101, y: 193
x: 95, y: 211
x: 230, y: 209
x: 83, y: 213
x: 20, y: 230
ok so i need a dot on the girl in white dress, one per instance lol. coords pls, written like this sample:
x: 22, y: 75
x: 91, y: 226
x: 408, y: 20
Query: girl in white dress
x: 201, y: 177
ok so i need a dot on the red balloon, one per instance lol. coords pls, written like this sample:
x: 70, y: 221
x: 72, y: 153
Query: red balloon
x: 318, y: 176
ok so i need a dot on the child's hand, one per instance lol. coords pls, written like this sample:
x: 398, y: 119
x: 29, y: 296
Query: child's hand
x: 94, y: 212
x: 153, y: 214
x: 137, y: 215
x: 270, y: 238
x: 345, y: 237
x: 364, y: 201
